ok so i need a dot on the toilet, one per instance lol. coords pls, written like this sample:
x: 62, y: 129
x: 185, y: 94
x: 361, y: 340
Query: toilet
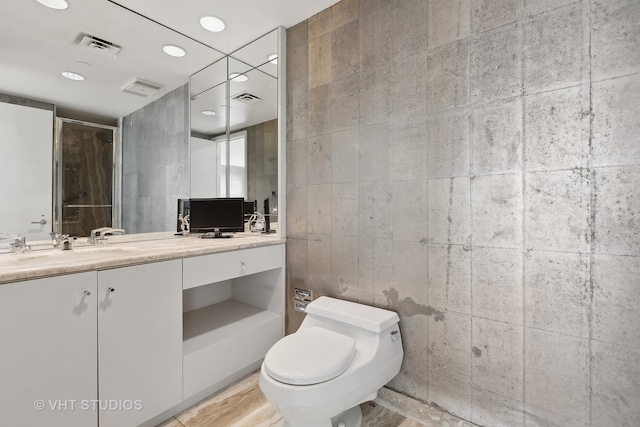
x: 340, y: 356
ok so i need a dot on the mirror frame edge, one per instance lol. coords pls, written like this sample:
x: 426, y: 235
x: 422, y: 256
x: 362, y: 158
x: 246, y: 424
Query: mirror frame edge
x: 282, y: 132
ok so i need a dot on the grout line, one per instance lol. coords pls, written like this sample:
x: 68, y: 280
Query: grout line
x: 592, y: 215
x: 523, y: 187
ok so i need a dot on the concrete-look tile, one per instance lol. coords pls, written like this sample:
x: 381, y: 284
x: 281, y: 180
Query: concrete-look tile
x: 616, y: 299
x: 416, y: 326
x: 450, y: 346
x: 409, y: 279
x: 319, y: 208
x: 344, y: 12
x: 616, y: 129
x: 447, y: 21
x: 297, y: 154
x: 374, y: 93
x: 319, y: 110
x: 298, y: 114
x: 497, y: 363
x: 409, y: 31
x: 344, y: 263
x: 556, y: 48
x: 617, y: 225
x: 408, y: 97
x: 345, y: 50
x: 320, y: 150
x: 319, y: 24
x: 615, y: 371
x: 490, y: 409
x: 408, y: 149
x: 449, y: 278
x: 375, y: 209
x: 320, y: 61
x: 376, y: 38
x: 536, y: 7
x: 557, y: 292
x: 557, y: 208
x: 411, y: 381
x: 319, y: 264
x: 449, y: 210
x: 489, y: 14
x: 297, y: 58
x: 345, y: 104
x: 496, y: 211
x: 374, y: 261
x: 344, y: 209
x: 496, y: 284
x: 370, y: 6
x: 615, y: 38
x: 556, y: 129
x: 496, y: 138
x: 448, y: 76
x: 374, y: 153
x: 409, y: 203
x: 296, y: 258
x: 297, y: 201
x: 344, y: 157
x: 496, y: 63
x: 450, y: 363
x: 448, y: 145
x: 556, y: 385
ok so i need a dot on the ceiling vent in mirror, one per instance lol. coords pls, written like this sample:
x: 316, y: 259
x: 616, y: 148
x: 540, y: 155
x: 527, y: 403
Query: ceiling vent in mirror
x: 99, y: 46
x: 142, y: 88
x: 246, y: 98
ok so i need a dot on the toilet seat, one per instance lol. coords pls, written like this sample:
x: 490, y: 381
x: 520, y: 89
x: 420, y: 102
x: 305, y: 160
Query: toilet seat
x: 310, y: 356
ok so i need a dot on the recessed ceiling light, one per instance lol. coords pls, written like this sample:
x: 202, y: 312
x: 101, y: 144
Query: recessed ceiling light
x: 72, y: 76
x: 174, y: 50
x: 208, y: 112
x: 237, y: 77
x: 54, y: 4
x: 212, y: 23
x: 273, y: 58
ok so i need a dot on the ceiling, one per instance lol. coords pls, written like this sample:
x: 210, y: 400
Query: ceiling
x: 38, y: 43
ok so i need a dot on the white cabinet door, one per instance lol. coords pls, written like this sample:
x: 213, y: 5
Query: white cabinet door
x: 139, y: 342
x: 48, y: 372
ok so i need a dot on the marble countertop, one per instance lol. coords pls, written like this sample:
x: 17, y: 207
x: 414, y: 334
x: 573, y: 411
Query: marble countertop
x: 121, y: 251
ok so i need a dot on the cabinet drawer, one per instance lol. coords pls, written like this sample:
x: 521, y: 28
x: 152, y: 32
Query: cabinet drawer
x: 206, y: 269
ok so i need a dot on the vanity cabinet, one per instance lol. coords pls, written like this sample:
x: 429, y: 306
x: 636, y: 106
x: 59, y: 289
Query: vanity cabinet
x: 100, y: 347
x: 48, y: 353
x: 139, y: 341
x: 233, y: 313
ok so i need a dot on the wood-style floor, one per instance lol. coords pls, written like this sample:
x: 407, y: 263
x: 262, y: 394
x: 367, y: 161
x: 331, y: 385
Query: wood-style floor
x: 244, y: 405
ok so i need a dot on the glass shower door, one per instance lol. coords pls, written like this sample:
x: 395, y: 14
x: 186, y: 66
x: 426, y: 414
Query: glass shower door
x: 86, y: 176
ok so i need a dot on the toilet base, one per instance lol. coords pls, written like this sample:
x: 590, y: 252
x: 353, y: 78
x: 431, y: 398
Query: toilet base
x: 349, y: 418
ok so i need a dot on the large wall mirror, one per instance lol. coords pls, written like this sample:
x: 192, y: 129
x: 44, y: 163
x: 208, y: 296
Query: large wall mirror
x: 130, y: 86
x: 235, y: 132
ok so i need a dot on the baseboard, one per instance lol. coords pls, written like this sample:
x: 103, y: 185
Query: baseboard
x: 423, y: 413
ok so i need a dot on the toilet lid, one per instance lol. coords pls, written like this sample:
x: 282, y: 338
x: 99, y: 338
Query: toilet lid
x: 310, y: 356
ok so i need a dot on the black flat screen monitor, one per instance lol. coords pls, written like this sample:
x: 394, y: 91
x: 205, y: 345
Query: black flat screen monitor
x: 250, y: 208
x: 216, y: 216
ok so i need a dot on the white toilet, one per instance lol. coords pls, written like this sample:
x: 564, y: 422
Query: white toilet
x: 340, y: 356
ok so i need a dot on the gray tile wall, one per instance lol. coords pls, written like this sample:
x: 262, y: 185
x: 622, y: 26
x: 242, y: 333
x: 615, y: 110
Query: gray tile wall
x: 475, y: 166
x: 155, y: 158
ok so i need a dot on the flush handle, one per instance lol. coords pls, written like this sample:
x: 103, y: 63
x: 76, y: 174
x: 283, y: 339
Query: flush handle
x: 395, y: 335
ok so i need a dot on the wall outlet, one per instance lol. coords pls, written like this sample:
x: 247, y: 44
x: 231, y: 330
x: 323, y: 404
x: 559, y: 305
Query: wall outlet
x: 303, y: 295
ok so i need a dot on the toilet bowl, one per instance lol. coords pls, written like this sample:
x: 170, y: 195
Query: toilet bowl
x: 340, y: 356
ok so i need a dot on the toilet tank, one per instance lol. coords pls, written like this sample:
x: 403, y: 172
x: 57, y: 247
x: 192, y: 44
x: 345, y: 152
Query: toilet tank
x: 362, y: 316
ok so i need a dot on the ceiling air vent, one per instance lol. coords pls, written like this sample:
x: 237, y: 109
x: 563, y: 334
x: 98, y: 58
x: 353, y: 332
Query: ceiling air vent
x: 246, y: 98
x: 142, y: 88
x: 99, y: 46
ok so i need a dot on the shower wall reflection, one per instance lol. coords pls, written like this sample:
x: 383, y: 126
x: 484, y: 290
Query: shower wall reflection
x: 87, y: 176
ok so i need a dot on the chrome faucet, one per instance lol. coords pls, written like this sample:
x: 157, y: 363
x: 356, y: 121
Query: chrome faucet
x: 19, y: 246
x: 62, y: 241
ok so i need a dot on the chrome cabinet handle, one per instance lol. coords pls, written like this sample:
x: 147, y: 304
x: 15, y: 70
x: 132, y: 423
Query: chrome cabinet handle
x: 42, y: 222
x: 111, y: 289
x: 86, y: 293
